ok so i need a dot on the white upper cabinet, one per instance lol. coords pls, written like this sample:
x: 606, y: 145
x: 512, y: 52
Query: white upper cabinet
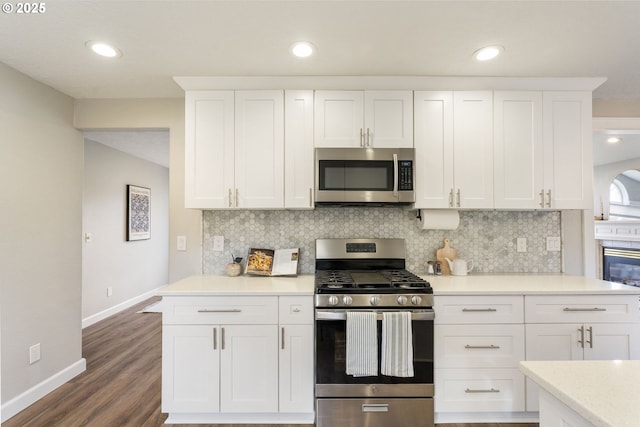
x: 518, y: 150
x: 378, y: 119
x: 568, y: 155
x: 298, y: 154
x: 434, y: 149
x: 234, y: 149
x: 209, y: 148
x: 259, y: 149
x: 454, y: 153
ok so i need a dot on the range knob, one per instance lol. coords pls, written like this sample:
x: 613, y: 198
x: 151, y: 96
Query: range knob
x: 402, y: 300
x: 416, y: 300
x: 375, y: 300
x: 347, y: 300
x: 333, y: 300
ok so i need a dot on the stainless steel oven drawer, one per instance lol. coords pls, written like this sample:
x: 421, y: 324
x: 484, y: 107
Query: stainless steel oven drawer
x: 375, y: 412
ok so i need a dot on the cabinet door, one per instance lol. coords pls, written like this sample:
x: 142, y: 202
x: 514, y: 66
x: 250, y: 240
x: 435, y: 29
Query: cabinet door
x: 517, y: 147
x: 209, y: 149
x: 434, y: 149
x: 388, y: 119
x: 338, y: 118
x: 298, y: 153
x: 190, y: 369
x: 249, y: 368
x: 296, y: 368
x: 550, y: 342
x: 473, y: 149
x: 568, y: 158
x: 259, y: 149
x: 612, y: 341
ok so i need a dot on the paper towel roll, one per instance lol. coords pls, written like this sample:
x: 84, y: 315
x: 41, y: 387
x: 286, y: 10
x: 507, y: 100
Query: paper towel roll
x: 438, y: 219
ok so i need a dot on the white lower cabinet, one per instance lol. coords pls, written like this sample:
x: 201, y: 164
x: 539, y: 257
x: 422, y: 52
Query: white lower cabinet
x: 583, y: 327
x: 237, y: 371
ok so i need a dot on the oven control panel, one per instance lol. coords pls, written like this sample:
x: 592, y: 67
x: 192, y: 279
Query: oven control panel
x: 384, y: 300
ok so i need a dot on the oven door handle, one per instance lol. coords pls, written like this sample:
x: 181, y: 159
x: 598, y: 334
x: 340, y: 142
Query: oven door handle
x: 342, y: 314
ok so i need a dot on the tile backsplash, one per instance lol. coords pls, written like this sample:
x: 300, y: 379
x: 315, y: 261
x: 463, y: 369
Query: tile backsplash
x: 486, y: 237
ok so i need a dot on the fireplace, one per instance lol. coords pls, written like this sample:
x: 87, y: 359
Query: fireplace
x: 621, y: 265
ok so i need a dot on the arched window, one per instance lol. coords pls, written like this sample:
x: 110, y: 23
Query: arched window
x: 618, y: 194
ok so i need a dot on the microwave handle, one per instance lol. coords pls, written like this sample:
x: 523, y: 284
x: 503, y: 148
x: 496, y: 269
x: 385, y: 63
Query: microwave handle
x: 395, y: 175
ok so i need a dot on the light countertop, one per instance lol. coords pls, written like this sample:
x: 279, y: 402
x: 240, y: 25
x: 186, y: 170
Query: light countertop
x: 604, y: 392
x: 524, y: 284
x: 507, y: 284
x: 245, y: 285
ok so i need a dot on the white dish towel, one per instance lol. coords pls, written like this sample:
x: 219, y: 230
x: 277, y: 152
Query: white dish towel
x: 362, y: 344
x: 397, y: 345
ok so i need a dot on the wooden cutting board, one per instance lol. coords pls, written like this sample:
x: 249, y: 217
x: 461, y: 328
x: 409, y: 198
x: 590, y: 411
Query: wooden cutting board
x: 446, y: 252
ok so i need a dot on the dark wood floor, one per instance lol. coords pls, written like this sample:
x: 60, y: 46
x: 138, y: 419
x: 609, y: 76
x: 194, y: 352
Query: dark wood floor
x: 121, y: 386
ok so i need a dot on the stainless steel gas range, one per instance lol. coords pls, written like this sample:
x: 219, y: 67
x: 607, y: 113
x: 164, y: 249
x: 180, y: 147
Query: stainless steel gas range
x: 369, y: 276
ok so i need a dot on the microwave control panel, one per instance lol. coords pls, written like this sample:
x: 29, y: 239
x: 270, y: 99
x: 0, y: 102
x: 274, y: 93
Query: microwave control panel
x: 405, y: 175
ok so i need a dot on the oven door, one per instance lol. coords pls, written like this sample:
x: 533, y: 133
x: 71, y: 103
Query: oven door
x: 331, y: 377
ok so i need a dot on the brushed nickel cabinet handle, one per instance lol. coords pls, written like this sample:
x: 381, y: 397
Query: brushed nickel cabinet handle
x: 219, y: 310
x: 282, y: 337
x: 458, y: 198
x: 237, y: 196
x: 542, y: 198
x: 584, y: 309
x: 361, y: 137
x: 490, y: 390
x: 222, y: 338
x: 482, y: 346
x: 368, y: 144
x: 549, y: 198
x: 451, y: 198
x: 310, y: 197
x: 230, y: 198
x: 581, y: 340
x: 590, y: 341
x: 473, y: 310
x: 215, y: 338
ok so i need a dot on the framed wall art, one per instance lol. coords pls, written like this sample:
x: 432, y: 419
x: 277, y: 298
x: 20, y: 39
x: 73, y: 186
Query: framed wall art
x: 138, y: 213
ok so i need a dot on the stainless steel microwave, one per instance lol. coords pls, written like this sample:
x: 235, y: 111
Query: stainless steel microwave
x: 365, y: 176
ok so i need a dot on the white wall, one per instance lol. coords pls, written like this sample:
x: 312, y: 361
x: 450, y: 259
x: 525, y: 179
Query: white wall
x: 155, y: 114
x: 133, y: 268
x: 40, y: 224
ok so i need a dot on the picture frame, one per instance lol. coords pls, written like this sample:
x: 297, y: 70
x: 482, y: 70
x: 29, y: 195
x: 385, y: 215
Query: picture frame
x: 138, y: 213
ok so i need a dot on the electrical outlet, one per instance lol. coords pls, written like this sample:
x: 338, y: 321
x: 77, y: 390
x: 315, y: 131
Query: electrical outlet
x: 181, y: 244
x: 521, y: 244
x: 34, y: 353
x: 218, y: 243
x: 553, y: 244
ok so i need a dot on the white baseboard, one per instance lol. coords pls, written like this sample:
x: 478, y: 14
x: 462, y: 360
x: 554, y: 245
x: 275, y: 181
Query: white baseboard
x: 88, y: 321
x: 37, y: 392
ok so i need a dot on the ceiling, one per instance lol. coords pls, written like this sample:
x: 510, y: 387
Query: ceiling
x: 166, y: 38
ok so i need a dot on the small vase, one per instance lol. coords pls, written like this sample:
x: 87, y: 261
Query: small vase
x: 234, y: 269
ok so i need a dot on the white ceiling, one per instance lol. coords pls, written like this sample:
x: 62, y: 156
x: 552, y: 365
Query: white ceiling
x: 165, y: 38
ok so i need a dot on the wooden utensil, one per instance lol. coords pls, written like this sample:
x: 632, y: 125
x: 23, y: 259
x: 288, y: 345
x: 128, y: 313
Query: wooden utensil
x: 446, y: 252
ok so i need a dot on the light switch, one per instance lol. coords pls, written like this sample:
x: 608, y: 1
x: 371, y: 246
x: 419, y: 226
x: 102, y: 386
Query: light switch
x: 553, y: 244
x: 521, y: 244
x: 218, y: 243
x: 181, y: 243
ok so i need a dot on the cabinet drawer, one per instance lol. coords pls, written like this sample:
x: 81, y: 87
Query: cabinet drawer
x: 296, y: 310
x: 234, y: 310
x: 479, y: 346
x: 479, y: 390
x: 478, y: 309
x: 581, y: 309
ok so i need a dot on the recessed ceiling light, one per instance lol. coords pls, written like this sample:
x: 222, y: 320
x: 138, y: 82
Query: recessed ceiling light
x: 487, y: 53
x: 103, y: 49
x: 613, y: 139
x: 302, y: 49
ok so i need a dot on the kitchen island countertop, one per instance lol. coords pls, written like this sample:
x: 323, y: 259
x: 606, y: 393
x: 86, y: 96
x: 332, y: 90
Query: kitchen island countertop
x: 604, y: 392
x: 525, y: 284
x: 202, y: 285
